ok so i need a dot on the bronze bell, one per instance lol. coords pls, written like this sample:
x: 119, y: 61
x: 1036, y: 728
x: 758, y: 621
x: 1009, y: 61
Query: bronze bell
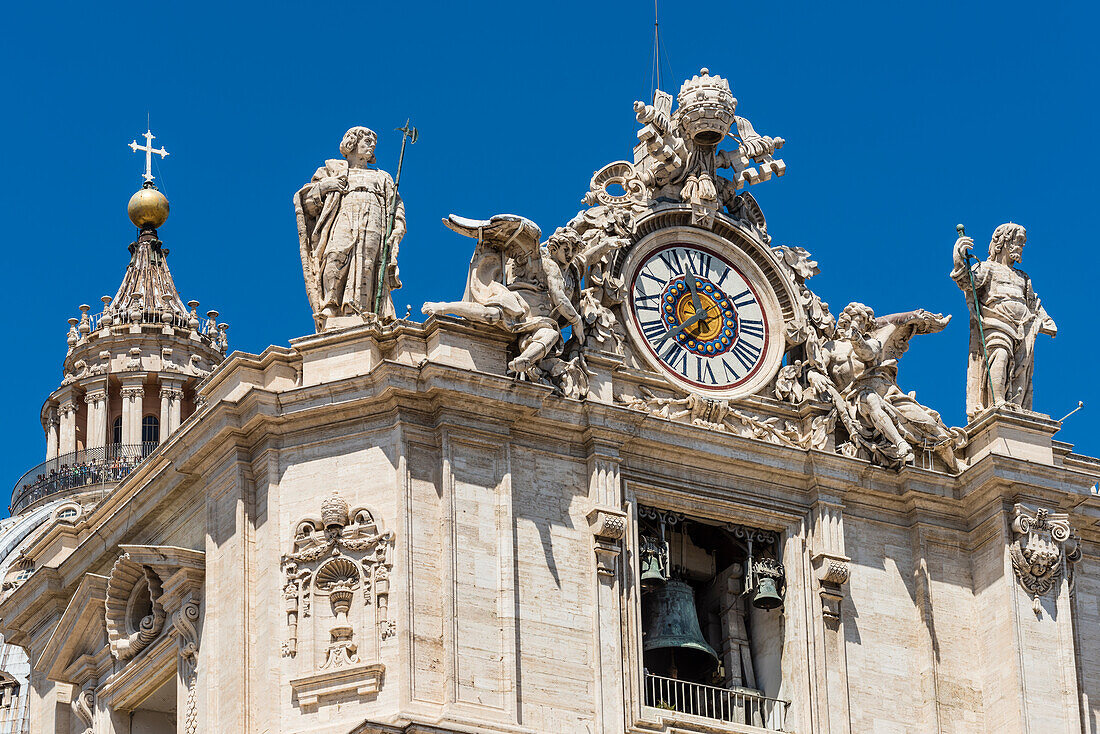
x: 674, y: 645
x: 767, y: 594
x: 653, y: 576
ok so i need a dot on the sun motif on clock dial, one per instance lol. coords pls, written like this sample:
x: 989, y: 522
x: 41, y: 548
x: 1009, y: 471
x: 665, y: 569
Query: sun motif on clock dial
x: 699, y: 317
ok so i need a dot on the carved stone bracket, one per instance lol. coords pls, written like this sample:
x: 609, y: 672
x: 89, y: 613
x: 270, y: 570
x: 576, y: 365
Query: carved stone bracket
x: 83, y: 706
x: 608, y: 527
x: 831, y: 566
x: 832, y: 572
x: 185, y: 623
x: 1043, y: 542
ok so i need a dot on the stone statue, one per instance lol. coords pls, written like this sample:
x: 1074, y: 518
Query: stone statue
x: 529, y: 290
x: 860, y: 379
x: 343, y: 214
x: 1011, y: 317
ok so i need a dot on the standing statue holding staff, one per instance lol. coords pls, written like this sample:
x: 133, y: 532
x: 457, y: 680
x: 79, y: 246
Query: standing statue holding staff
x: 1005, y: 318
x: 350, y: 223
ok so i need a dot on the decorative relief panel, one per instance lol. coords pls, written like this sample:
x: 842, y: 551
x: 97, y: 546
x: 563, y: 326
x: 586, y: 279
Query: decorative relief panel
x: 339, y: 558
x: 1042, y: 539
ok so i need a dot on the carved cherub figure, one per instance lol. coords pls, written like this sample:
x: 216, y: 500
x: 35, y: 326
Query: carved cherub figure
x: 862, y: 366
x: 516, y: 285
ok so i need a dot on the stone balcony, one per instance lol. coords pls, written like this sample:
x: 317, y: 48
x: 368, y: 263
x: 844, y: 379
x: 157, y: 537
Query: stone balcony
x: 744, y: 709
x: 77, y: 472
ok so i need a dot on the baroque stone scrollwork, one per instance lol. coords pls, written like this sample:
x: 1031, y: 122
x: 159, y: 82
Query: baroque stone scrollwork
x: 1007, y: 313
x: 134, y: 613
x: 718, y: 415
x: 83, y: 706
x: 185, y: 622
x: 1042, y: 543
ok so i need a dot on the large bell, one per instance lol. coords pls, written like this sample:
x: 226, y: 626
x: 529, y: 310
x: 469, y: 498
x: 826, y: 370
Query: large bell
x: 674, y: 646
x: 767, y: 595
x: 653, y: 577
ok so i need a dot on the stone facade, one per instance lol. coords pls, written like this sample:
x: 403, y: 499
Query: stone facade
x: 413, y: 527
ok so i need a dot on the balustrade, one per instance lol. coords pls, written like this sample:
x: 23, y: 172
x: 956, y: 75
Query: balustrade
x: 78, y: 469
x: 739, y: 705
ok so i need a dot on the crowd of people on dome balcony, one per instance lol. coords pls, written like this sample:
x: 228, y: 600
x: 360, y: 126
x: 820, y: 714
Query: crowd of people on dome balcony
x: 71, y: 476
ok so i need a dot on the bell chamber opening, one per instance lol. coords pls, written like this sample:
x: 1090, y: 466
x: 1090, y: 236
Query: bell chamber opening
x: 712, y: 622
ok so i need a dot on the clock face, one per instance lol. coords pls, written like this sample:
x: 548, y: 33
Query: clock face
x: 700, y: 318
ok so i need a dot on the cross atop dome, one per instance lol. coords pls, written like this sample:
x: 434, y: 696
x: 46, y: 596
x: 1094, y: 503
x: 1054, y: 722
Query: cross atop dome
x: 149, y: 150
x: 148, y: 208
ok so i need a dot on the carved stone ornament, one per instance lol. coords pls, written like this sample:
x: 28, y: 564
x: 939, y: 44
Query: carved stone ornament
x: 134, y: 613
x: 607, y: 525
x: 83, y: 706
x: 185, y: 622
x: 848, y: 368
x: 571, y: 282
x: 337, y: 557
x: 719, y: 415
x: 1042, y: 542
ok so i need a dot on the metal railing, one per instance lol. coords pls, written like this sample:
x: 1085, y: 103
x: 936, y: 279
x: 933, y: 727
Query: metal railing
x: 149, y: 317
x: 76, y: 470
x: 737, y: 705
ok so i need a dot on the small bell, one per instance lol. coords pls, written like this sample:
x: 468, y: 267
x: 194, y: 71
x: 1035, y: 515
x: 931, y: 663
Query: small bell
x: 653, y: 576
x: 770, y: 579
x: 767, y: 595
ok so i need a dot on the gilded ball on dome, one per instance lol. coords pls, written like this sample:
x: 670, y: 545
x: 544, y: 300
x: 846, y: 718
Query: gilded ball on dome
x: 148, y: 208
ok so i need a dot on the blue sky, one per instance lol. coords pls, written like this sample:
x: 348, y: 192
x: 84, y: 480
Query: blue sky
x: 901, y: 120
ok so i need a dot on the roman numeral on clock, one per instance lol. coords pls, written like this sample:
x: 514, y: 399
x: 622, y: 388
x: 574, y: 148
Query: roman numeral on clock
x: 746, y: 353
x: 703, y: 371
x: 653, y: 329
x: 744, y: 298
x: 729, y: 371
x: 751, y: 327
x: 675, y: 357
x: 648, y: 303
x: 700, y: 263
x: 672, y: 262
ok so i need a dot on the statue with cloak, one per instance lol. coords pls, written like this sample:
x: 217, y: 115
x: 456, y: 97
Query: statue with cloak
x: 343, y: 214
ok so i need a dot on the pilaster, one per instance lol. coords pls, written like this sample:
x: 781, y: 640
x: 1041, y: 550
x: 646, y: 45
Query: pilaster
x: 608, y: 523
x: 171, y: 397
x: 832, y: 568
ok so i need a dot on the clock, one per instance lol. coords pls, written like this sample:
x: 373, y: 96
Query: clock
x: 701, y: 312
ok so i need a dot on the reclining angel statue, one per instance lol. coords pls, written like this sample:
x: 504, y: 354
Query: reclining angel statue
x: 860, y: 379
x: 528, y: 290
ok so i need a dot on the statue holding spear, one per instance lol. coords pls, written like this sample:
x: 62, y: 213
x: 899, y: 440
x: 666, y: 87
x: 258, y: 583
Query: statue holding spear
x: 350, y: 223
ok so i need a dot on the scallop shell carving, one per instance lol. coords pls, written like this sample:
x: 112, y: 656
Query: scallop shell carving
x: 122, y: 585
x: 339, y: 571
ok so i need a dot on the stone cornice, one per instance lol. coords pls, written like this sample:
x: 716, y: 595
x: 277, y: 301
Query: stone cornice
x: 24, y: 612
x: 255, y: 401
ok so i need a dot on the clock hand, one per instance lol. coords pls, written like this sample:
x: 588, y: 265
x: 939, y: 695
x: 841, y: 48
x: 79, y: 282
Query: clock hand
x: 697, y: 316
x: 691, y: 287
